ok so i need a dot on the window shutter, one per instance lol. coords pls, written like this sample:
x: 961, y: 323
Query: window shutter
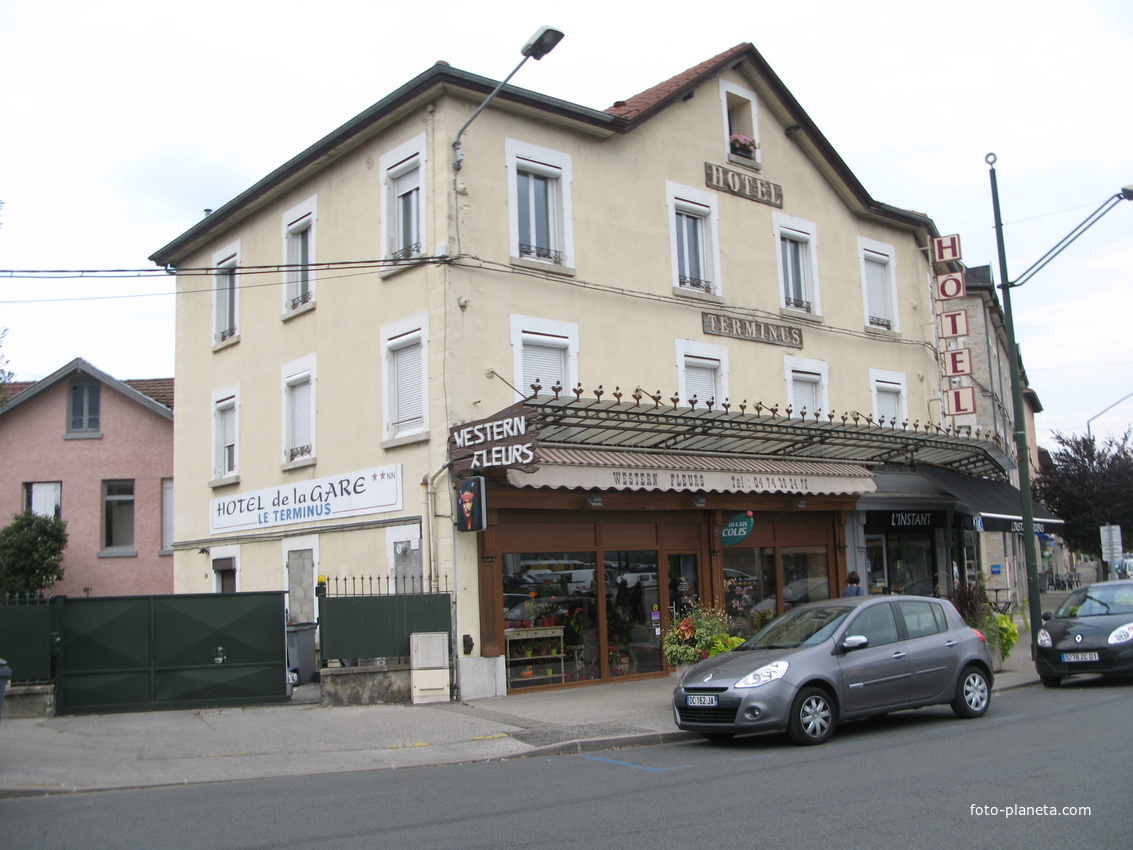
x: 700, y: 379
x: 408, y: 400
x: 543, y: 364
x: 876, y: 284
x: 805, y: 387
x: 888, y: 403
x: 300, y: 413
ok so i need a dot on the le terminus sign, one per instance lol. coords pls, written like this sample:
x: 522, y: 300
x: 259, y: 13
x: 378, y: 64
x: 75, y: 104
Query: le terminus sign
x: 745, y: 185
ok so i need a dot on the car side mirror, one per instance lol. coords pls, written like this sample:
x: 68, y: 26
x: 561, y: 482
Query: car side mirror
x: 855, y: 642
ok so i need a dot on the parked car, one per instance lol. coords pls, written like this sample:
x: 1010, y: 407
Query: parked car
x: 827, y: 662
x: 1091, y: 632
x: 805, y: 590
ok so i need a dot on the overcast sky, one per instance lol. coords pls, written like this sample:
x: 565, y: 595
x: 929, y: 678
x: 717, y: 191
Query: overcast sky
x: 122, y: 121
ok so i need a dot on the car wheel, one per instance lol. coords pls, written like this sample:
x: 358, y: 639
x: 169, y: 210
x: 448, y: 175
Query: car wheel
x: 719, y: 737
x: 1050, y: 681
x: 812, y: 717
x: 973, y: 695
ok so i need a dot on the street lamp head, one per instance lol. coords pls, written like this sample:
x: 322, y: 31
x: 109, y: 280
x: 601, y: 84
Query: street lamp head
x: 1127, y: 192
x: 542, y: 43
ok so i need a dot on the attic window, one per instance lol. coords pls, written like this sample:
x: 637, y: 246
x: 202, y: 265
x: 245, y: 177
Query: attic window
x: 741, y: 125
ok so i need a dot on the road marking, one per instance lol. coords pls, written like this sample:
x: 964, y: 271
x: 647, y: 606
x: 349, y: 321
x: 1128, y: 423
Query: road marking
x: 403, y: 746
x: 638, y: 766
x: 489, y: 737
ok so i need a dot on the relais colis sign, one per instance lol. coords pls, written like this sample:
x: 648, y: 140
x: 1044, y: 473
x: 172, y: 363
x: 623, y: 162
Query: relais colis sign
x: 953, y: 327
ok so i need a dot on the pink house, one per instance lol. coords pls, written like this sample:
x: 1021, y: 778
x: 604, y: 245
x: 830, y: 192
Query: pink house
x: 97, y: 452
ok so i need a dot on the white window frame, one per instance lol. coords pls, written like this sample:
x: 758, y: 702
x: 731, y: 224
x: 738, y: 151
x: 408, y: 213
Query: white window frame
x: 226, y: 264
x: 881, y: 380
x: 412, y: 331
x: 44, y: 498
x: 879, y: 253
x: 224, y: 400
x: 294, y: 375
x: 299, y: 225
x: 806, y: 234
x: 741, y: 116
x: 555, y: 165
x: 398, y: 165
x: 705, y: 355
x: 682, y: 201
x: 814, y: 371
x: 531, y: 331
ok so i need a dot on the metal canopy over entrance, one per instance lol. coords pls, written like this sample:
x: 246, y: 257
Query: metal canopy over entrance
x: 646, y: 425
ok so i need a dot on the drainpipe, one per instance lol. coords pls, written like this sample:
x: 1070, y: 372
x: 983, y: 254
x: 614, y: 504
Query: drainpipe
x: 431, y: 499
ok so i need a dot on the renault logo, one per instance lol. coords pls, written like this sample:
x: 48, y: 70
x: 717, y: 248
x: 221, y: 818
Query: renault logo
x: 708, y: 678
x: 1077, y: 638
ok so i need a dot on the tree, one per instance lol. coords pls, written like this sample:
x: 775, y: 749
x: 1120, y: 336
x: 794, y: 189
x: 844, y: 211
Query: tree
x: 5, y: 375
x: 31, y: 549
x: 1089, y: 485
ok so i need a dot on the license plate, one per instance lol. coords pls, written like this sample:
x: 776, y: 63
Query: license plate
x: 1068, y: 657
x: 701, y: 699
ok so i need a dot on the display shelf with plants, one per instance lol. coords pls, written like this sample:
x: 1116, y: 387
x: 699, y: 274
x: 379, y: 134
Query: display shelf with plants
x: 535, y: 656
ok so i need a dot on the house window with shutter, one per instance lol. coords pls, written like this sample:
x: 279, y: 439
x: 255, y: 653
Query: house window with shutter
x: 539, y: 198
x: 890, y: 404
x: 405, y: 358
x: 798, y: 265
x: 403, y: 201
x: 807, y: 386
x: 702, y: 373
x: 226, y: 295
x: 224, y: 575
x: 225, y: 450
x: 878, y: 284
x: 546, y: 354
x: 299, y: 411
x: 695, y: 247
x: 299, y: 255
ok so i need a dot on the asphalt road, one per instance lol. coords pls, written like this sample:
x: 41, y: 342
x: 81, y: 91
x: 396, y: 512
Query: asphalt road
x: 910, y: 780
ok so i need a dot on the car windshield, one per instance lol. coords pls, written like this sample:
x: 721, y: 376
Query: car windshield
x: 1097, y: 601
x: 800, y: 627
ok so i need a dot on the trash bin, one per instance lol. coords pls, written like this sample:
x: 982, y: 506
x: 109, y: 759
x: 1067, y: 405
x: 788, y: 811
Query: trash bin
x: 1044, y: 580
x: 301, y: 650
x: 5, y: 676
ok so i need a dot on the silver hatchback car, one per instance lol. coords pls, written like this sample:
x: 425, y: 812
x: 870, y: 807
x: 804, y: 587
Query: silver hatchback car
x: 822, y: 663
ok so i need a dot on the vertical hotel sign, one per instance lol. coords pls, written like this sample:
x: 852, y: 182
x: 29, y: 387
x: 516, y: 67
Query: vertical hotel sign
x: 953, y: 325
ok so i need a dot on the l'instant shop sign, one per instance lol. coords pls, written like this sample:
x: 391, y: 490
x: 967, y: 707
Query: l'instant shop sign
x: 368, y: 491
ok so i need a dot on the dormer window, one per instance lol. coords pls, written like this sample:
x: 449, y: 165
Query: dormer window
x: 741, y: 125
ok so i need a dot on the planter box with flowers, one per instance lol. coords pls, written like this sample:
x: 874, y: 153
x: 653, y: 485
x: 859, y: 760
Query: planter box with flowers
x: 743, y: 146
x: 703, y: 632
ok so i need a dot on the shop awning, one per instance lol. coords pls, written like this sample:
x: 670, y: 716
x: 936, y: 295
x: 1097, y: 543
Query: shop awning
x: 998, y: 505
x: 598, y: 469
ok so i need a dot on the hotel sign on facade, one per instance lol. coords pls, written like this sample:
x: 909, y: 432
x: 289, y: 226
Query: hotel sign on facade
x: 756, y: 331
x: 958, y: 401
x: 744, y: 185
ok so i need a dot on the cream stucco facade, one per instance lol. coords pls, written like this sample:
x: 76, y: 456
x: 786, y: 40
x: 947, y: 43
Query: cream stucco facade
x: 338, y: 318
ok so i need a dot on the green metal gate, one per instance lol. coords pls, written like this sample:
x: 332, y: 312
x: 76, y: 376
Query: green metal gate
x: 141, y: 653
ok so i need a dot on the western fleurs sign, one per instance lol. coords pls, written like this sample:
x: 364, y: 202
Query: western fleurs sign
x: 367, y: 491
x: 506, y: 440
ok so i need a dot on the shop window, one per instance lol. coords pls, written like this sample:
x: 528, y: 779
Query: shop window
x: 632, y: 643
x: 806, y: 575
x: 751, y: 587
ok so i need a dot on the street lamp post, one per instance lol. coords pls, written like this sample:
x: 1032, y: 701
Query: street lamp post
x: 1023, y: 458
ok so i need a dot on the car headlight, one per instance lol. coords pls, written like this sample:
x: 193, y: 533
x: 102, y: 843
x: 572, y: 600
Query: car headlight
x: 767, y: 673
x: 1121, y: 634
x: 1044, y: 639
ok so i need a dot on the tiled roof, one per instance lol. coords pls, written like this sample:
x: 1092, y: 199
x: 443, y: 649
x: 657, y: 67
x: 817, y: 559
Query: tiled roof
x: 159, y: 389
x: 659, y: 94
x: 12, y: 387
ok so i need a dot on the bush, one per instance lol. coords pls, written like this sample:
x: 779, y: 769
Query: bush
x: 31, y: 549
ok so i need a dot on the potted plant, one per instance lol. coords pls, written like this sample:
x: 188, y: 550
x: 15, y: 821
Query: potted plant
x: 703, y: 631
x: 744, y: 146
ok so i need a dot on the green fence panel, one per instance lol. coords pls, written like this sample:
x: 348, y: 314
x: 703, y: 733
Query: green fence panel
x: 379, y: 626
x: 159, y: 652
x: 25, y: 640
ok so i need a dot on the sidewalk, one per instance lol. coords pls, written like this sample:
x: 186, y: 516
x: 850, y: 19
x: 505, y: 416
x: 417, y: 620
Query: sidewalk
x: 97, y: 752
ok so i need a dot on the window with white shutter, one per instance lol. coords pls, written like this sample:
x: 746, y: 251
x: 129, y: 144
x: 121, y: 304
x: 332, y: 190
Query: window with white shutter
x: 403, y: 201
x: 407, y: 364
x: 544, y: 362
x: 299, y: 409
x: 700, y: 380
